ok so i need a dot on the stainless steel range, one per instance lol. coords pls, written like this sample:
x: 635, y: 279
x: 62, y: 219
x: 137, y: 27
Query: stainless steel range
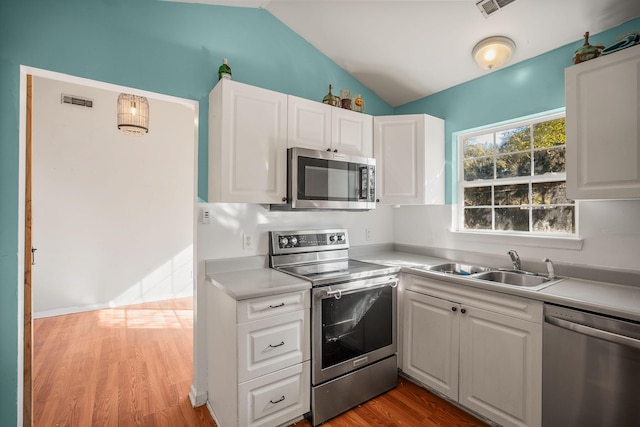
x: 353, y: 318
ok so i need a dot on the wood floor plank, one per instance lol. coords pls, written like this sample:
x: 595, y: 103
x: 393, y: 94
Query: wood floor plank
x: 408, y: 405
x: 132, y: 366
x: 126, y: 366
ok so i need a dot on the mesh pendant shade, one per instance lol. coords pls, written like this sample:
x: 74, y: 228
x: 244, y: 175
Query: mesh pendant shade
x: 133, y: 114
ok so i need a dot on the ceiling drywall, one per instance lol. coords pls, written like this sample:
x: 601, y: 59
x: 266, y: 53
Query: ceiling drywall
x: 405, y: 50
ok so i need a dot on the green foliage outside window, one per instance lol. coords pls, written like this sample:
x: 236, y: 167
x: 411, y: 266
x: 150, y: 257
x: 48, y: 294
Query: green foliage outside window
x: 514, y: 179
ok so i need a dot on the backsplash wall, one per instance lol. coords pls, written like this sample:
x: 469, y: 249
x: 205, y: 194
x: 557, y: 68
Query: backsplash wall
x: 609, y: 236
x: 222, y: 238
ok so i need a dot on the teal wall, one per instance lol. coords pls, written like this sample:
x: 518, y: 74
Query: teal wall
x: 175, y: 49
x: 164, y: 47
x: 524, y: 89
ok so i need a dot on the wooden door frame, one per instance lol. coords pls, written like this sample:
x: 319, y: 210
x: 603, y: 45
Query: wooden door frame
x: 27, y: 359
x: 25, y: 308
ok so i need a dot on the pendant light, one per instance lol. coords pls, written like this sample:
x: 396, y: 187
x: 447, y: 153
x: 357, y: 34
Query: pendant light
x: 493, y: 52
x: 133, y: 114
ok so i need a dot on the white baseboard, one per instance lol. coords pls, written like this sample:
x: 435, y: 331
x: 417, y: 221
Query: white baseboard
x: 110, y: 304
x: 69, y: 310
x: 197, y: 399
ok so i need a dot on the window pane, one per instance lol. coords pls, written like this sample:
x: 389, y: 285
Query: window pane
x: 512, y: 194
x: 516, y: 139
x: 500, y: 168
x: 477, y: 219
x: 547, y: 161
x: 478, y: 146
x: 516, y: 219
x: 549, y: 134
x: 549, y: 193
x: 513, y: 165
x: 477, y: 196
x: 558, y: 219
x: 478, y: 169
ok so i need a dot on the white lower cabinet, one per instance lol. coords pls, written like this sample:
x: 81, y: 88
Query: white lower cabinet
x: 258, y: 359
x: 276, y: 398
x: 482, y: 349
x: 431, y: 337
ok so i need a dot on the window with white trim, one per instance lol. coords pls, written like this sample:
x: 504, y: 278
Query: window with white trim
x: 512, y: 179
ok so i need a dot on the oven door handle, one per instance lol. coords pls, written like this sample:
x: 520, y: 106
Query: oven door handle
x: 334, y: 294
x: 337, y: 294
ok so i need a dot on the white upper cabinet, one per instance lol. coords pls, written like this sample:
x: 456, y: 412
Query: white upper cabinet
x: 247, y: 144
x: 309, y: 124
x: 351, y: 132
x: 409, y: 152
x: 322, y: 127
x: 603, y: 136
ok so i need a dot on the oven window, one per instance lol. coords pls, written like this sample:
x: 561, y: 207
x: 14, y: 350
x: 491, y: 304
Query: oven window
x: 356, y: 324
x: 321, y: 179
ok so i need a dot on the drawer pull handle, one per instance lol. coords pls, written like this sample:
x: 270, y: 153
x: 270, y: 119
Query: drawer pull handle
x: 277, y: 401
x: 277, y: 345
x: 277, y: 305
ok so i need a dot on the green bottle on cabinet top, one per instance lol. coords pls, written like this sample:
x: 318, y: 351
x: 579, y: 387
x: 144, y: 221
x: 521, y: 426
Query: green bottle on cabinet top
x: 224, y: 72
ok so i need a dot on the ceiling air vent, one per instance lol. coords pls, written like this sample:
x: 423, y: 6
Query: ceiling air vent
x: 489, y: 7
x: 76, y: 100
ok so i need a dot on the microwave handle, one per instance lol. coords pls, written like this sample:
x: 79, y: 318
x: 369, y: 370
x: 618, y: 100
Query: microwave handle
x: 364, y: 182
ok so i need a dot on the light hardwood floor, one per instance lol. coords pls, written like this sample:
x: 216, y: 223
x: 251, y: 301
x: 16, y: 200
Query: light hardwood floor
x: 132, y: 366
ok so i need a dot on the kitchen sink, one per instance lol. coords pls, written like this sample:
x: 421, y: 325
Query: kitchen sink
x: 516, y: 278
x: 456, y: 268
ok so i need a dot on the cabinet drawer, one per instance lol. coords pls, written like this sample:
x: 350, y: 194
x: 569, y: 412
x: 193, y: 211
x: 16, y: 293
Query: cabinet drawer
x: 259, y: 308
x: 272, y: 343
x: 274, y: 399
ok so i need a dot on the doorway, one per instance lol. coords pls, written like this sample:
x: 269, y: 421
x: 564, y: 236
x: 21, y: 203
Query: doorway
x: 139, y: 284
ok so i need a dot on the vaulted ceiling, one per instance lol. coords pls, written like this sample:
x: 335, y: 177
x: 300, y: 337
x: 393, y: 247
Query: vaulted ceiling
x: 405, y: 50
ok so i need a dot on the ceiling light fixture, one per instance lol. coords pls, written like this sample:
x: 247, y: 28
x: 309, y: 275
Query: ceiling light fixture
x: 133, y: 114
x: 493, y: 52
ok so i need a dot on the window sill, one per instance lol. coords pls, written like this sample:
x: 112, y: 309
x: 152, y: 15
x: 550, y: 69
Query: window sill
x: 553, y: 242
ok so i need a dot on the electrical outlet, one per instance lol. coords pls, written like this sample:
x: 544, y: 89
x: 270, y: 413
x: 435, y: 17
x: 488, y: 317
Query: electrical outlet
x: 367, y: 234
x: 247, y: 241
x: 206, y: 215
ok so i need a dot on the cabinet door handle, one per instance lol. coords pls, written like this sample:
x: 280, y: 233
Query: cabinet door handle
x: 277, y: 345
x: 463, y: 310
x: 454, y: 309
x: 277, y: 305
x: 277, y: 401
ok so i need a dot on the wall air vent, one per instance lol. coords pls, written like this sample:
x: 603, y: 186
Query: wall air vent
x: 76, y: 100
x: 489, y: 7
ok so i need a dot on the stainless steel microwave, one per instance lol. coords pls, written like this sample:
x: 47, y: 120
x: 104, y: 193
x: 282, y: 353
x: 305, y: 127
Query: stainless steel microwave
x: 329, y: 180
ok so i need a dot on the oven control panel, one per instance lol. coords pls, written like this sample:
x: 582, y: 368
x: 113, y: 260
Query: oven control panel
x: 308, y: 241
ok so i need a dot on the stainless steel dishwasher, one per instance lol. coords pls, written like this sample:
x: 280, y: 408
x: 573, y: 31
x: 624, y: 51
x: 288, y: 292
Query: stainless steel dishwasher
x: 591, y: 369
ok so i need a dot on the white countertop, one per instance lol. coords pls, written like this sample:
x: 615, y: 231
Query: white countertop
x: 601, y: 297
x: 258, y: 282
x: 608, y: 298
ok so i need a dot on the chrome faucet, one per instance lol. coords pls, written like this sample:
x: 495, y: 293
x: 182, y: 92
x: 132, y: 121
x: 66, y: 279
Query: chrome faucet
x: 515, y: 259
x: 550, y: 270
